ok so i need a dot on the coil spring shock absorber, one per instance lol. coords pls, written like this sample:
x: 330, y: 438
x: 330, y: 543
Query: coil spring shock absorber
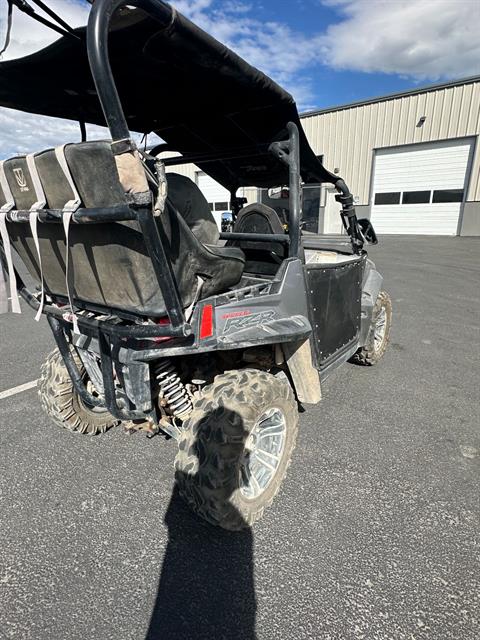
x: 172, y: 389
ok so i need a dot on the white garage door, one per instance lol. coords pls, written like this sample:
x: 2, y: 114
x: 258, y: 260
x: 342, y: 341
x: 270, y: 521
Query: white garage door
x: 420, y: 188
x: 217, y: 196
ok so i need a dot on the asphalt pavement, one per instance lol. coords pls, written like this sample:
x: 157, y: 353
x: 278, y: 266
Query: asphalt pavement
x: 375, y: 534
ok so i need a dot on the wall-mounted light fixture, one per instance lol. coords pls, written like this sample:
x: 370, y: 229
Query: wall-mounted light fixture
x: 421, y: 121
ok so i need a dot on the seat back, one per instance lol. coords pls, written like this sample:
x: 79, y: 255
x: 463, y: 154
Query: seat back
x: 109, y: 262
x: 262, y: 258
x: 193, y: 207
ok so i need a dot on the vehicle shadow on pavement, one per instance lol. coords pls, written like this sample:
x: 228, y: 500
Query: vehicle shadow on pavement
x: 206, y: 587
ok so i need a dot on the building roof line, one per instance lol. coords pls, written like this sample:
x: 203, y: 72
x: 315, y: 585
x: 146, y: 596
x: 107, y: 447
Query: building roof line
x: 391, y: 96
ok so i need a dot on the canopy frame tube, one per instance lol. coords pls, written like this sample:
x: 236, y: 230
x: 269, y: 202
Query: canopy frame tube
x: 97, y: 48
x: 288, y: 152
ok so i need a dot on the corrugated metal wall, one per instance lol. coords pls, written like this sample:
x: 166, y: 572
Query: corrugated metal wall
x: 346, y: 137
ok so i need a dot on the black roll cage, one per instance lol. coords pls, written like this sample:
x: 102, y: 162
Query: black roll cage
x: 110, y: 331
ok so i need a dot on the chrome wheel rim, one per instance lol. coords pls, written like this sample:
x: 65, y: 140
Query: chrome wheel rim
x: 263, y: 453
x: 380, y: 329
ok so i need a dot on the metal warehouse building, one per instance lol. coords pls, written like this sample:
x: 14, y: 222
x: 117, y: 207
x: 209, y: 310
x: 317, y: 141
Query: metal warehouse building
x: 411, y: 160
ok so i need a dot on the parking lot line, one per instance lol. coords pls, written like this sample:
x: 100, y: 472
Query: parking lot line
x: 14, y: 390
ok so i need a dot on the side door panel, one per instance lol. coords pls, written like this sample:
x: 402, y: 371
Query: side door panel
x: 334, y: 295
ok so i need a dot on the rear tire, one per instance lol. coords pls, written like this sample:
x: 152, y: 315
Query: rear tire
x: 240, y: 422
x: 379, y: 332
x: 63, y: 405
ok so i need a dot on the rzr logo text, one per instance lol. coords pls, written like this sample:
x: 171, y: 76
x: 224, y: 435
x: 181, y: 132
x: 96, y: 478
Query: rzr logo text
x: 246, y: 322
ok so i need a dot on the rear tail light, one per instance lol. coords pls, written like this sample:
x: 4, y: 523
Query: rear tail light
x: 206, y: 322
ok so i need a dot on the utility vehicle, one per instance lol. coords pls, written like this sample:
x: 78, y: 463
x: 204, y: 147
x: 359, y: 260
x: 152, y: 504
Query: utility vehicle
x: 161, y: 323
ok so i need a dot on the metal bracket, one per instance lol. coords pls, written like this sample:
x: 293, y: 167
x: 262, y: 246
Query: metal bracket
x: 109, y: 401
x: 63, y: 347
x: 109, y: 384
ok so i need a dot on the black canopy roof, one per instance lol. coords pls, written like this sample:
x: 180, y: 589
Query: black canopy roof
x: 175, y: 80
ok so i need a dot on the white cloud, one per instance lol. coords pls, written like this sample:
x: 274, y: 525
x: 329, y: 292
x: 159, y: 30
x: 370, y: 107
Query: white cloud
x: 421, y: 39
x: 28, y: 35
x: 25, y: 132
x: 22, y: 132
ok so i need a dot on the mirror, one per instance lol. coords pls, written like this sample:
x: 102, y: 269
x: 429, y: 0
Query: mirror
x: 368, y: 232
x: 277, y: 193
x: 227, y: 221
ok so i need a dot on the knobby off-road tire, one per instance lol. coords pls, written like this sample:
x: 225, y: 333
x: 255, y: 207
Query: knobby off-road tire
x: 61, y: 402
x: 377, y: 343
x: 210, y: 464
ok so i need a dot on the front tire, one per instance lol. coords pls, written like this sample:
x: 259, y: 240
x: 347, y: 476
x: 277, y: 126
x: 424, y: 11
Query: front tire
x: 63, y: 405
x: 236, y: 447
x: 379, y: 332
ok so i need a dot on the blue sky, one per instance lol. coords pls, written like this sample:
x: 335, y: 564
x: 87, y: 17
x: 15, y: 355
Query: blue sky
x: 325, y: 52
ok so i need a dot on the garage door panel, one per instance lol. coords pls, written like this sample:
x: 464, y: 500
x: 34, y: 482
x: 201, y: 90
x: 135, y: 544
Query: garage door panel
x: 212, y: 190
x: 418, y: 162
x: 456, y: 169
x: 448, y: 148
x: 425, y: 167
x: 428, y: 182
x: 409, y: 163
x: 432, y: 179
x: 417, y: 219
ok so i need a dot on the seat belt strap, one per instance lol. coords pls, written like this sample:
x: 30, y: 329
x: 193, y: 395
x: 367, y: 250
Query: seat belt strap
x: 41, y: 201
x: 11, y: 271
x: 9, y: 204
x: 71, y: 205
x: 3, y: 287
x: 37, y: 185
x: 33, y: 220
x: 9, y: 26
x: 67, y: 216
x: 68, y: 210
